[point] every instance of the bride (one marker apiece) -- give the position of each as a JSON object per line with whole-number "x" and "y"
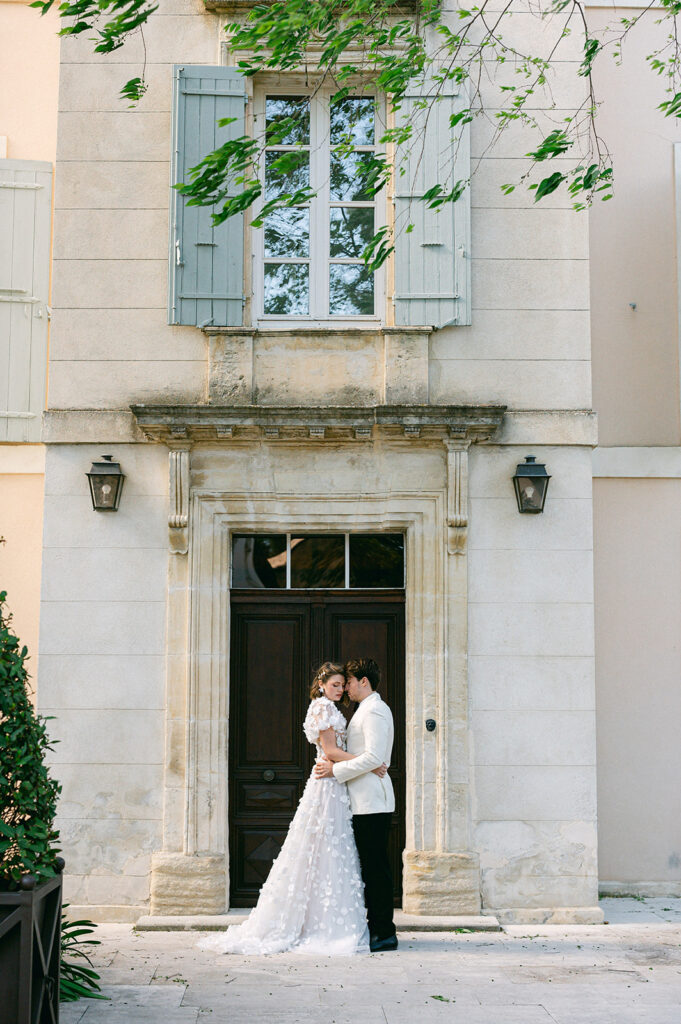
{"x": 313, "y": 899}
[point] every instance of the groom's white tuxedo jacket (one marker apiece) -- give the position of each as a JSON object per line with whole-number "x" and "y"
{"x": 370, "y": 738}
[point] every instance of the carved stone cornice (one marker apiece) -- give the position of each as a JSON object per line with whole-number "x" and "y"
{"x": 417, "y": 424}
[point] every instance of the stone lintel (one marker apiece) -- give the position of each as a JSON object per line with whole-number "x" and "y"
{"x": 420, "y": 423}
{"x": 183, "y": 884}
{"x": 437, "y": 883}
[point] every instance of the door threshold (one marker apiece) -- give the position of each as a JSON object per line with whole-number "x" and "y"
{"x": 403, "y": 922}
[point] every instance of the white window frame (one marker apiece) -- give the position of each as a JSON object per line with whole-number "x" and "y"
{"x": 320, "y": 150}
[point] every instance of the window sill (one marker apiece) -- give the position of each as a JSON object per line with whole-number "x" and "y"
{"x": 308, "y": 329}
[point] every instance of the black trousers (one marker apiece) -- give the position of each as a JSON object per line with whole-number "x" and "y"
{"x": 371, "y": 836}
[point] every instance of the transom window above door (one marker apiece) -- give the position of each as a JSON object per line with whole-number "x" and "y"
{"x": 317, "y": 561}
{"x": 308, "y": 257}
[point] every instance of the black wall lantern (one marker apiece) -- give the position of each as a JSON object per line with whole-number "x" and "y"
{"x": 106, "y": 483}
{"x": 531, "y": 482}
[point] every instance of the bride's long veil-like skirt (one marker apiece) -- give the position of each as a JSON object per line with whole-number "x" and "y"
{"x": 313, "y": 899}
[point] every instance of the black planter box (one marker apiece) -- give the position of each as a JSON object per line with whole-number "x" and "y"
{"x": 30, "y": 946}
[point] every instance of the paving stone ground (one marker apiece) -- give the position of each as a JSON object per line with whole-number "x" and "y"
{"x": 625, "y": 972}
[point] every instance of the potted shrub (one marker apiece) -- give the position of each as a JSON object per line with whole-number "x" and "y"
{"x": 30, "y": 870}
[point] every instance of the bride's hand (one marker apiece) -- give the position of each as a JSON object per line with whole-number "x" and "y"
{"x": 380, "y": 771}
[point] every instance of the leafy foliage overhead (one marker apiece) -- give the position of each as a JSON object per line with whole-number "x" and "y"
{"x": 385, "y": 45}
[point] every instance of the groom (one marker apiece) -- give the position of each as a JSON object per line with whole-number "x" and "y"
{"x": 370, "y": 737}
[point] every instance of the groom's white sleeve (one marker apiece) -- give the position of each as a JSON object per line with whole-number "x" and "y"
{"x": 375, "y": 731}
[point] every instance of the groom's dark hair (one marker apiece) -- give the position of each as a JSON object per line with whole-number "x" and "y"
{"x": 364, "y": 667}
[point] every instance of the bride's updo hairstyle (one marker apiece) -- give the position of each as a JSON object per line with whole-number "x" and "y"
{"x": 324, "y": 672}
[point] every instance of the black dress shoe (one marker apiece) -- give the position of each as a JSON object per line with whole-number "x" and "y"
{"x": 377, "y": 945}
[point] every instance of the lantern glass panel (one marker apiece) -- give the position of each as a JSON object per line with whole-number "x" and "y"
{"x": 105, "y": 491}
{"x": 531, "y": 491}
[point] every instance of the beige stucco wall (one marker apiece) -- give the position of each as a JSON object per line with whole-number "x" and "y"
{"x": 637, "y": 555}
{"x": 29, "y": 76}
{"x": 635, "y": 353}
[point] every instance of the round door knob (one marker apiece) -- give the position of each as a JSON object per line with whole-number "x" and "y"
{"x": 268, "y": 775}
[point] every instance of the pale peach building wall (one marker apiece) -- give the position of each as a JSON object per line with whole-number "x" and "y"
{"x": 635, "y": 352}
{"x": 637, "y": 474}
{"x": 21, "y": 526}
{"x": 638, "y": 697}
{"x": 29, "y": 79}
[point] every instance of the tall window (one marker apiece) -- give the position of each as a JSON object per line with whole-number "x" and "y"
{"x": 308, "y": 261}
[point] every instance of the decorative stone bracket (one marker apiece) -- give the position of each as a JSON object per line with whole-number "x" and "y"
{"x": 457, "y": 496}
{"x": 178, "y": 493}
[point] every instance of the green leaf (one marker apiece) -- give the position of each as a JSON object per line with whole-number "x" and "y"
{"x": 548, "y": 185}
{"x": 555, "y": 144}
{"x": 134, "y": 90}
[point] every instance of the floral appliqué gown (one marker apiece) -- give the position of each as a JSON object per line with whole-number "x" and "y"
{"x": 313, "y": 899}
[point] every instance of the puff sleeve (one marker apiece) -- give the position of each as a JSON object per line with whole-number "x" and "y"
{"x": 320, "y": 716}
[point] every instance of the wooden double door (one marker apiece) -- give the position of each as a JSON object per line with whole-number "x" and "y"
{"x": 277, "y": 642}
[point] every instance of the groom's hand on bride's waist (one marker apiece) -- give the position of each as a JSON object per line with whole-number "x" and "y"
{"x": 323, "y": 769}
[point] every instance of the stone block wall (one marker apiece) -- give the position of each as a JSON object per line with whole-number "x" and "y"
{"x": 531, "y": 684}
{"x": 102, "y": 672}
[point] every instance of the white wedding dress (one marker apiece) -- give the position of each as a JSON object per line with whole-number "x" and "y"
{"x": 313, "y": 899}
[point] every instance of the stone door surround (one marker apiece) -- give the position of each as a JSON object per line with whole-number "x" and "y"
{"x": 419, "y": 455}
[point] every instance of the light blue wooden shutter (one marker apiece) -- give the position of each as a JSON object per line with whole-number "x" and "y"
{"x": 432, "y": 262}
{"x": 25, "y": 230}
{"x": 206, "y": 263}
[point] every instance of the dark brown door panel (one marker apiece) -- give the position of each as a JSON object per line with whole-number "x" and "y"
{"x": 277, "y": 641}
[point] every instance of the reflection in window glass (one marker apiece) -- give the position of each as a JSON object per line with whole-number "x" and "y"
{"x": 287, "y": 233}
{"x": 259, "y": 561}
{"x": 352, "y": 121}
{"x": 350, "y": 230}
{"x": 376, "y": 560}
{"x": 287, "y": 288}
{"x": 317, "y": 561}
{"x": 288, "y": 120}
{"x": 351, "y": 289}
{"x": 350, "y": 176}
{"x": 286, "y": 173}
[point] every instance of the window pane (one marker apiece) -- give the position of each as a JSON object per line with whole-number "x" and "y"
{"x": 287, "y": 120}
{"x": 376, "y": 560}
{"x": 286, "y": 173}
{"x": 352, "y": 121}
{"x": 349, "y": 174}
{"x": 351, "y": 290}
{"x": 287, "y": 288}
{"x": 287, "y": 232}
{"x": 351, "y": 228}
{"x": 259, "y": 561}
{"x": 318, "y": 561}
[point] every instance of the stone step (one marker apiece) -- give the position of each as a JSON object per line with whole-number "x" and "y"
{"x": 403, "y": 923}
